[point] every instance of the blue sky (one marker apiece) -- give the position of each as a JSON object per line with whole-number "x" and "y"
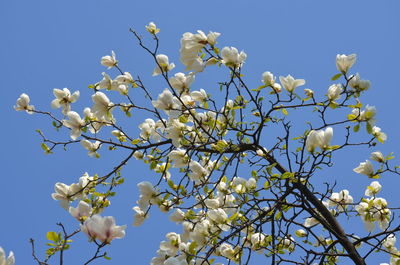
{"x": 55, "y": 44}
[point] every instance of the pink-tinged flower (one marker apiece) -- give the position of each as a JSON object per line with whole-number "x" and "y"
{"x": 102, "y": 228}
{"x": 81, "y": 212}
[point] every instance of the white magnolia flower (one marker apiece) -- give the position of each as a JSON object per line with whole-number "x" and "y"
{"x": 309, "y": 93}
{"x": 102, "y": 107}
{"x": 192, "y": 61}
{"x": 64, "y": 99}
{"x": 119, "y": 135}
{"x": 319, "y": 139}
{"x": 10, "y": 260}
{"x": 182, "y": 82}
{"x": 345, "y": 62}
{"x": 226, "y": 250}
{"x": 374, "y": 210}
{"x": 23, "y": 104}
{"x": 140, "y": 216}
{"x": 125, "y": 79}
{"x": 102, "y": 228}
{"x": 149, "y": 130}
{"x": 365, "y": 168}
{"x": 199, "y": 96}
{"x": 340, "y": 200}
{"x": 181, "y": 260}
{"x": 171, "y": 246}
{"x": 81, "y": 212}
{"x": 378, "y": 134}
{"x": 75, "y": 123}
{"x": 373, "y": 189}
{"x": 65, "y": 193}
{"x": 389, "y": 242}
{"x": 301, "y": 233}
{"x": 289, "y": 83}
{"x": 377, "y": 156}
{"x": 178, "y": 216}
{"x": 166, "y": 101}
{"x": 232, "y": 58}
{"x": 107, "y": 83}
{"x": 334, "y": 92}
{"x": 358, "y": 84}
{"x": 163, "y": 64}
{"x": 175, "y": 131}
{"x": 268, "y": 79}
{"x": 148, "y": 195}
{"x": 109, "y": 60}
{"x": 90, "y": 146}
{"x": 310, "y": 221}
{"x": 152, "y": 28}
{"x": 198, "y": 171}
{"x": 180, "y": 158}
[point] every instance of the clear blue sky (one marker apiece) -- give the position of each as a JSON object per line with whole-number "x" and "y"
{"x": 55, "y": 44}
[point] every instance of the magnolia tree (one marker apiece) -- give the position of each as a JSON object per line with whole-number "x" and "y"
{"x": 231, "y": 170}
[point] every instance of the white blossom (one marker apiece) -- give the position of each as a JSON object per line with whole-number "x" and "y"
{"x": 10, "y": 260}
{"x": 152, "y": 28}
{"x": 373, "y": 189}
{"x": 319, "y": 139}
{"x": 198, "y": 171}
{"x": 289, "y": 83}
{"x": 178, "y": 216}
{"x": 199, "y": 96}
{"x": 182, "y": 82}
{"x": 102, "y": 228}
{"x": 163, "y": 64}
{"x": 232, "y": 58}
{"x": 139, "y": 216}
{"x": 81, "y": 212}
{"x": 102, "y": 107}
{"x": 109, "y": 60}
{"x": 180, "y": 158}
{"x": 66, "y": 193}
{"x": 334, "y": 92}
{"x": 358, "y": 84}
{"x": 365, "y": 168}
{"x": 75, "y": 123}
{"x": 166, "y": 101}
{"x": 345, "y": 62}
{"x": 23, "y": 104}
{"x": 92, "y": 147}
{"x": 148, "y": 194}
{"x": 377, "y": 156}
{"x": 340, "y": 200}
{"x": 378, "y": 134}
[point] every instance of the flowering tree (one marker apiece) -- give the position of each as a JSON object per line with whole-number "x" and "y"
{"x": 233, "y": 169}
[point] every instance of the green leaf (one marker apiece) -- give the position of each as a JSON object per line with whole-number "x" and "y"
{"x": 192, "y": 247}
{"x": 285, "y": 112}
{"x": 369, "y": 128}
{"x": 135, "y": 141}
{"x": 267, "y": 185}
{"x": 53, "y": 236}
{"x": 336, "y": 77}
{"x": 356, "y": 128}
{"x": 107, "y": 258}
